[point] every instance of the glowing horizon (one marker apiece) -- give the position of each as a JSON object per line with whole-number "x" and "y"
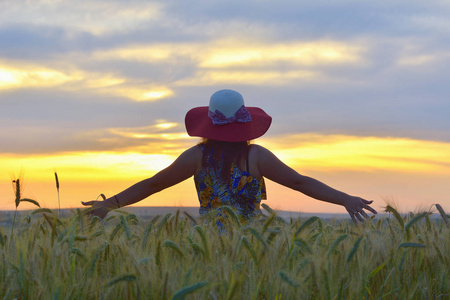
{"x": 338, "y": 159}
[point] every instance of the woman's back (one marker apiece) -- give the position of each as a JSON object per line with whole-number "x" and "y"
{"x": 226, "y": 178}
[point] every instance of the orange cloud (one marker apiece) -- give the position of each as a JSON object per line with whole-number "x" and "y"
{"x": 367, "y": 154}
{"x": 368, "y": 166}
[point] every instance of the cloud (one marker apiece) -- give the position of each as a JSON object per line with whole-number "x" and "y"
{"x": 89, "y": 166}
{"x": 315, "y": 152}
{"x": 358, "y": 68}
{"x": 92, "y": 136}
{"x": 39, "y": 77}
{"x": 230, "y": 61}
{"x": 97, "y": 17}
{"x": 304, "y": 152}
{"x": 12, "y": 78}
{"x": 231, "y": 52}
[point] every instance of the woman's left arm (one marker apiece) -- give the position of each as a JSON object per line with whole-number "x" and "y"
{"x": 274, "y": 169}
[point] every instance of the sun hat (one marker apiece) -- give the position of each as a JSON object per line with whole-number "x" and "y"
{"x": 227, "y": 119}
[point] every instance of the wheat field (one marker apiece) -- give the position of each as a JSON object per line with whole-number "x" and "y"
{"x": 177, "y": 256}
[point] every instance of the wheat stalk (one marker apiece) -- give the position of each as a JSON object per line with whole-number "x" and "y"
{"x": 57, "y": 189}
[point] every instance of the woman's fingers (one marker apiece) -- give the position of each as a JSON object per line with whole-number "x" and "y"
{"x": 371, "y": 209}
{"x": 88, "y": 203}
{"x": 96, "y": 208}
{"x": 356, "y": 211}
{"x": 364, "y": 214}
{"x": 360, "y": 218}
{"x": 353, "y": 218}
{"x": 368, "y": 207}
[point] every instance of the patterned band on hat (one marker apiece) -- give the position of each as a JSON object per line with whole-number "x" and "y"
{"x": 241, "y": 116}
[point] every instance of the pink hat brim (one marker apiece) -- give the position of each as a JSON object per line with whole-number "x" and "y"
{"x": 199, "y": 124}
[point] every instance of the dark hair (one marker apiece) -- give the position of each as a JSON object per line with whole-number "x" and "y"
{"x": 225, "y": 152}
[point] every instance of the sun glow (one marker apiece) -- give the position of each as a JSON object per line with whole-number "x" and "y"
{"x": 105, "y": 81}
{"x": 219, "y": 54}
{"x": 350, "y": 163}
{"x": 141, "y": 94}
{"x": 365, "y": 154}
{"x": 166, "y": 125}
{"x": 296, "y": 53}
{"x": 156, "y": 94}
{"x": 15, "y": 78}
{"x": 151, "y": 132}
{"x": 207, "y": 77}
{"x": 88, "y": 166}
{"x": 101, "y": 83}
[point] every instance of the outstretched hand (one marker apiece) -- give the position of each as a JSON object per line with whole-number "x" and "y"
{"x": 97, "y": 208}
{"x": 355, "y": 206}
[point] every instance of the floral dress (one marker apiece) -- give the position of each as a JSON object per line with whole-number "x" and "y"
{"x": 244, "y": 192}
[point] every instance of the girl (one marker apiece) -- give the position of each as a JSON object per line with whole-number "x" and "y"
{"x": 227, "y": 169}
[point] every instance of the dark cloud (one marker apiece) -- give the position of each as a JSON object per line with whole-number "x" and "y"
{"x": 89, "y": 110}
{"x": 30, "y": 42}
{"x": 317, "y": 19}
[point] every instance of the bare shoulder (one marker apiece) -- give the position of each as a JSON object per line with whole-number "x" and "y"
{"x": 258, "y": 151}
{"x": 194, "y": 151}
{"x": 256, "y": 155}
{"x": 193, "y": 157}
{"x": 273, "y": 168}
{"x": 193, "y": 154}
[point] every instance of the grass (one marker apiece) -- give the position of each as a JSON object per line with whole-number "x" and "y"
{"x": 176, "y": 256}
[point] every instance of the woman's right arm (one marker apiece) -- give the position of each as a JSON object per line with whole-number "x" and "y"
{"x": 274, "y": 169}
{"x": 185, "y": 166}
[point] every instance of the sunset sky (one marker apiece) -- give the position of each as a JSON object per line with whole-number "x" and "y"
{"x": 97, "y": 91}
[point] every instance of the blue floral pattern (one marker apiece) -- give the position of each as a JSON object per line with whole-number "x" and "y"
{"x": 244, "y": 191}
